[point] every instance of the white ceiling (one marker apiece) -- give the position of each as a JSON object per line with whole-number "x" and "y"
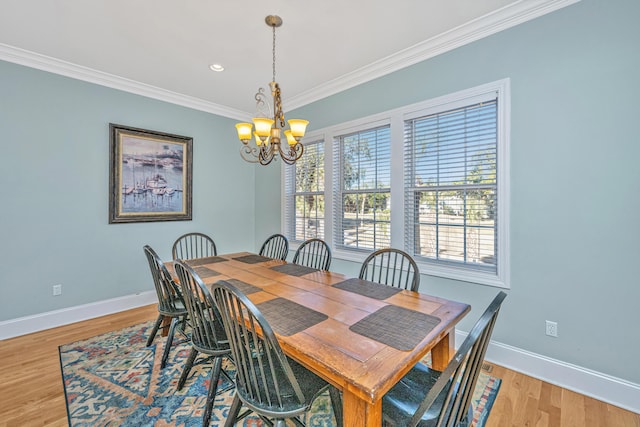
{"x": 163, "y": 48}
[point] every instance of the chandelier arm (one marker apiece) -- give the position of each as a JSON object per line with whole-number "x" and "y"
{"x": 292, "y": 154}
{"x": 249, "y": 154}
{"x": 266, "y": 154}
{"x": 263, "y": 107}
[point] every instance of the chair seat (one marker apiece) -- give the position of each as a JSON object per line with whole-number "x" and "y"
{"x": 178, "y": 310}
{"x": 403, "y": 400}
{"x": 426, "y": 397}
{"x": 206, "y": 344}
{"x": 312, "y": 386}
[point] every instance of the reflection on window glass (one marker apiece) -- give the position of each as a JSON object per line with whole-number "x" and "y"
{"x": 454, "y": 185}
{"x": 309, "y": 194}
{"x": 365, "y": 187}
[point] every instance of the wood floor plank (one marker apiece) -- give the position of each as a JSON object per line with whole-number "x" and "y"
{"x": 573, "y": 410}
{"x": 31, "y": 392}
{"x": 554, "y": 406}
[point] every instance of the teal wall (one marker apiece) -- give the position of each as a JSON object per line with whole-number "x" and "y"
{"x": 575, "y": 179}
{"x": 54, "y": 183}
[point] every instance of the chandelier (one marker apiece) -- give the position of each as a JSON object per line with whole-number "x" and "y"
{"x": 268, "y": 129}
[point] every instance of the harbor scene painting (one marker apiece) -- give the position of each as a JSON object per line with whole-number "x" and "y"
{"x": 150, "y": 176}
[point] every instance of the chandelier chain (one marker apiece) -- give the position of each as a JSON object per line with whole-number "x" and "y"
{"x": 274, "y": 53}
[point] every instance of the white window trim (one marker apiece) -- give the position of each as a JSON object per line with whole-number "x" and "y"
{"x": 328, "y": 221}
{"x": 351, "y": 128}
{"x": 396, "y": 119}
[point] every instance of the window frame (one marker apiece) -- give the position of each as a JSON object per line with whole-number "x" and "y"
{"x": 396, "y": 119}
{"x": 339, "y": 191}
{"x": 288, "y": 199}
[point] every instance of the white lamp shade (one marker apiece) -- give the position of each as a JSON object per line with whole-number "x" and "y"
{"x": 244, "y": 131}
{"x": 263, "y": 126}
{"x": 290, "y": 138}
{"x": 258, "y": 140}
{"x": 298, "y": 128}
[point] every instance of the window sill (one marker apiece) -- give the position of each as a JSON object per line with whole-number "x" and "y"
{"x": 480, "y": 278}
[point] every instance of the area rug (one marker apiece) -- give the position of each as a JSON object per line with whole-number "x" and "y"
{"x": 115, "y": 380}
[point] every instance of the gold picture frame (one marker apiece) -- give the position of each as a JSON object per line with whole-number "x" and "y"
{"x": 150, "y": 175}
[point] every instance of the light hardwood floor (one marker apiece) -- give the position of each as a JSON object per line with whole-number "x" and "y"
{"x": 31, "y": 392}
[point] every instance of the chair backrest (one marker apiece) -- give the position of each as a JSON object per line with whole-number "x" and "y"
{"x": 207, "y": 330}
{"x": 169, "y": 295}
{"x": 461, "y": 374}
{"x": 264, "y": 378}
{"x": 193, "y": 245}
{"x": 276, "y": 246}
{"x": 314, "y": 253}
{"x": 391, "y": 267}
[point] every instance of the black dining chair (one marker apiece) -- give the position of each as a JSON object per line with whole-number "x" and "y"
{"x": 193, "y": 245}
{"x": 425, "y": 397}
{"x": 207, "y": 332}
{"x": 276, "y": 246}
{"x": 268, "y": 383}
{"x": 391, "y": 267}
{"x": 313, "y": 253}
{"x": 170, "y": 301}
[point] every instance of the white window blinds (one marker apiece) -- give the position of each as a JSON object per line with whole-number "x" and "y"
{"x": 362, "y": 189}
{"x": 304, "y": 192}
{"x": 451, "y": 186}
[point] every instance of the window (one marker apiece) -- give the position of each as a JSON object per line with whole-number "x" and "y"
{"x": 451, "y": 186}
{"x": 362, "y": 203}
{"x": 304, "y": 190}
{"x": 430, "y": 178}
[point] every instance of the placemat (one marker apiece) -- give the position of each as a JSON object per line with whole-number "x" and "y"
{"x": 367, "y": 288}
{"x": 287, "y": 317}
{"x": 294, "y": 269}
{"x": 207, "y": 260}
{"x": 205, "y": 272}
{"x": 245, "y": 288}
{"x": 396, "y": 327}
{"x": 252, "y": 259}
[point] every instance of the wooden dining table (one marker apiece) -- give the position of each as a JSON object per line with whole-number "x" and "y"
{"x": 360, "y": 336}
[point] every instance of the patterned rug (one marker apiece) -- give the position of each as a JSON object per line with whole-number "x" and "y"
{"x": 114, "y": 380}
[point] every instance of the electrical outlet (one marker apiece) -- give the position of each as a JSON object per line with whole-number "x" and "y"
{"x": 57, "y": 290}
{"x": 552, "y": 328}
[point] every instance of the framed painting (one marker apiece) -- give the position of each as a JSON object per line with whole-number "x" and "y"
{"x": 150, "y": 175}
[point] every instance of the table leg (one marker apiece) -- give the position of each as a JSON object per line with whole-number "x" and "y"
{"x": 442, "y": 353}
{"x": 359, "y": 413}
{"x": 164, "y": 327}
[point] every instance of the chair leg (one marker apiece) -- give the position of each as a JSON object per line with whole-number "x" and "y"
{"x": 167, "y": 345}
{"x": 154, "y": 331}
{"x": 183, "y": 323}
{"x": 213, "y": 387}
{"x": 233, "y": 412}
{"x": 187, "y": 367}
{"x": 336, "y": 404}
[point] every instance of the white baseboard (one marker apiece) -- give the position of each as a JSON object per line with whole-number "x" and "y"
{"x": 51, "y": 319}
{"x": 607, "y": 388}
{"x": 616, "y": 391}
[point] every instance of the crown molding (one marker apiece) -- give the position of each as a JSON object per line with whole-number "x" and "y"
{"x": 501, "y": 19}
{"x": 68, "y": 69}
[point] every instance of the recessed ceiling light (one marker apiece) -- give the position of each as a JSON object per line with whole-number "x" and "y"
{"x": 216, "y": 67}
